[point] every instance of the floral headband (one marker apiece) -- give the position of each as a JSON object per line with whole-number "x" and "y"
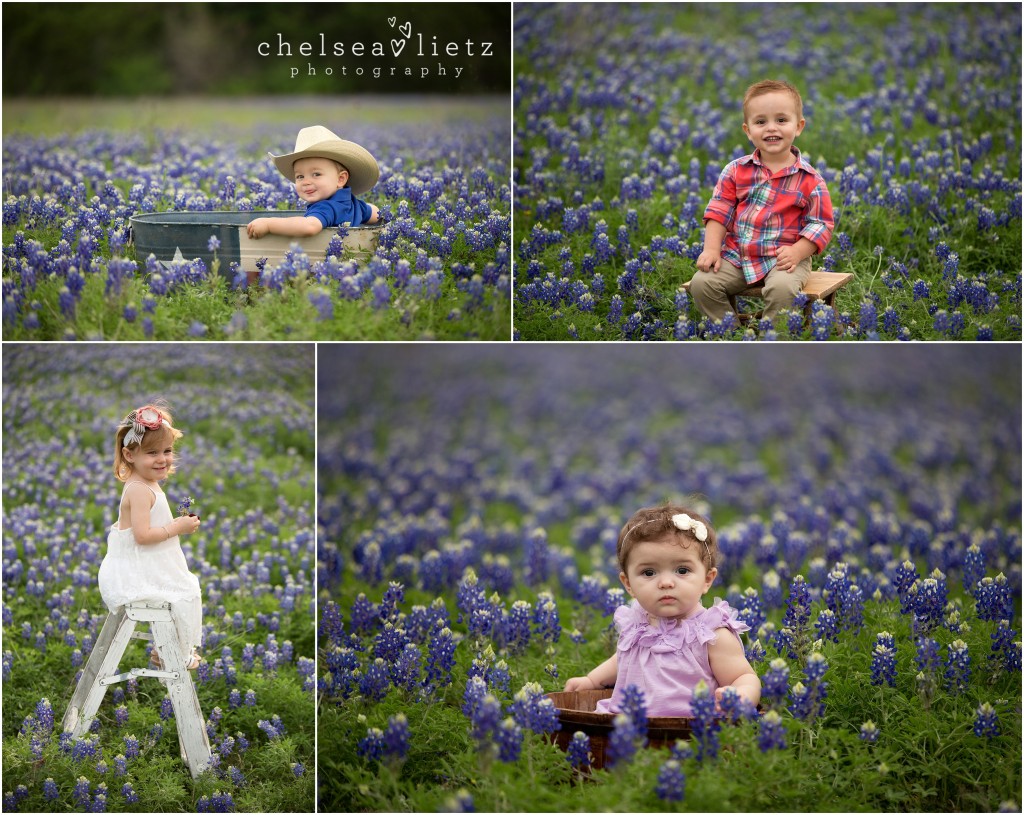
{"x": 141, "y": 420}
{"x": 684, "y": 523}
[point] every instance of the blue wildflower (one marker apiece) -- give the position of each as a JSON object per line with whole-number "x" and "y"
{"x": 986, "y": 722}
{"x": 958, "y": 667}
{"x": 772, "y": 732}
{"x": 622, "y": 743}
{"x": 775, "y": 682}
{"x": 671, "y": 781}
{"x": 509, "y": 738}
{"x": 869, "y": 732}
{"x": 578, "y": 752}
{"x": 704, "y": 724}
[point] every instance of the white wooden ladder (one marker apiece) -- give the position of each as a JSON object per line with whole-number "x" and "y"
{"x": 102, "y": 670}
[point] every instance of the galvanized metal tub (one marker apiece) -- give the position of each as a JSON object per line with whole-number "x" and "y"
{"x": 165, "y": 233}
{"x": 576, "y": 711}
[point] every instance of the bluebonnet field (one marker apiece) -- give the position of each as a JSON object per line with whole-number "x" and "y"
{"x": 247, "y": 462}
{"x": 442, "y": 268}
{"x": 626, "y": 113}
{"x": 868, "y": 511}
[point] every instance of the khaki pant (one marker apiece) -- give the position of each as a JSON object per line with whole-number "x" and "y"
{"x": 711, "y": 290}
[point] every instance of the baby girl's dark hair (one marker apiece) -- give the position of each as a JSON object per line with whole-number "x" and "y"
{"x": 655, "y": 523}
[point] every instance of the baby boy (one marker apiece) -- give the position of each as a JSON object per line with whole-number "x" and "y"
{"x": 328, "y": 173}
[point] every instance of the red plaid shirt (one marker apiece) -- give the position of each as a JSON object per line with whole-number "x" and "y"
{"x": 763, "y": 212}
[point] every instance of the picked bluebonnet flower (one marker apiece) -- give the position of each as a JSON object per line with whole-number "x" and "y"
{"x": 671, "y": 784}
{"x": 986, "y": 722}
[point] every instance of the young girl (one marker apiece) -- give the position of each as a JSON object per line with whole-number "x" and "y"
{"x": 668, "y": 641}
{"x": 144, "y": 560}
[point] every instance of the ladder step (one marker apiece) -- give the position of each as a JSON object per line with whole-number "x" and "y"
{"x": 136, "y": 672}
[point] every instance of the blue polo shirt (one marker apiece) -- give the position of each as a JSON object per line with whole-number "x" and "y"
{"x": 342, "y": 207}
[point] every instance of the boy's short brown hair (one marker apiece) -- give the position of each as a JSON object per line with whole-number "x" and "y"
{"x": 655, "y": 524}
{"x": 773, "y": 86}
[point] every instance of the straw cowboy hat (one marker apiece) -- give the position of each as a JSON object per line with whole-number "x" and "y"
{"x": 318, "y": 141}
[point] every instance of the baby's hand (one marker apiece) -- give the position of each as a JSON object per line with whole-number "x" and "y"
{"x": 709, "y": 261}
{"x": 257, "y": 228}
{"x": 579, "y": 683}
{"x": 188, "y": 524}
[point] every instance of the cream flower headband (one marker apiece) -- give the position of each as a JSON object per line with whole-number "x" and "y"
{"x": 684, "y": 523}
{"x": 141, "y": 420}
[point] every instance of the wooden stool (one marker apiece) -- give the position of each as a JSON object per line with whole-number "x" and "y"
{"x": 819, "y": 286}
{"x": 101, "y": 671}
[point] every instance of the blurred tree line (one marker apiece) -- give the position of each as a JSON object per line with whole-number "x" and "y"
{"x": 132, "y": 49}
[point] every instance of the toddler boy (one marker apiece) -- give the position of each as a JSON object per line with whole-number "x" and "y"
{"x": 328, "y": 173}
{"x": 769, "y": 213}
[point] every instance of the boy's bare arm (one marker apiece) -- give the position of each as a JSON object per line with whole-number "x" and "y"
{"x": 710, "y": 259}
{"x": 300, "y": 226}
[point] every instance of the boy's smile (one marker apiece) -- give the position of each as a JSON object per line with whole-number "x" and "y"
{"x": 317, "y": 179}
{"x": 772, "y": 124}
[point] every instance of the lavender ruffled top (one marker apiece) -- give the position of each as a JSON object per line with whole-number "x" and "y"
{"x": 668, "y": 658}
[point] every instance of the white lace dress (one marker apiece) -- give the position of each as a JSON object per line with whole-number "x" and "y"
{"x": 131, "y": 572}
